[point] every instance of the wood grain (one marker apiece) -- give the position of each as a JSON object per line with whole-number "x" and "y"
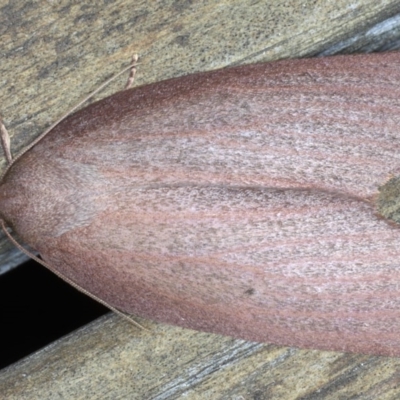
{"x": 109, "y": 358}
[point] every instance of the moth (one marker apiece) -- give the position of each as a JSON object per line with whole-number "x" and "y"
{"x": 257, "y": 201}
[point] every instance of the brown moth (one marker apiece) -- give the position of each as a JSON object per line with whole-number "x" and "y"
{"x": 248, "y": 201}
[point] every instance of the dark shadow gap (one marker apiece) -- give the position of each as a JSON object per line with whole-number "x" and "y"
{"x": 36, "y": 308}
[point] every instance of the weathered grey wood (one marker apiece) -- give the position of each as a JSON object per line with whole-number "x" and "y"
{"x": 52, "y": 54}
{"x": 10, "y": 257}
{"x": 383, "y": 36}
{"x": 109, "y": 359}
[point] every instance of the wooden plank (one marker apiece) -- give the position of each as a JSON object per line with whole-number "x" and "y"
{"x": 110, "y": 359}
{"x": 53, "y": 53}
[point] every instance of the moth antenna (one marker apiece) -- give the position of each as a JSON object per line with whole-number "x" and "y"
{"x": 70, "y": 281}
{"x": 71, "y": 110}
{"x": 5, "y": 142}
{"x": 132, "y": 72}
